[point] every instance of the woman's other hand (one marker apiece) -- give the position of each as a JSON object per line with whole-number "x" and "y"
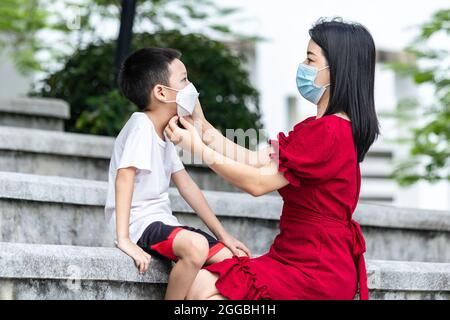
{"x": 197, "y": 114}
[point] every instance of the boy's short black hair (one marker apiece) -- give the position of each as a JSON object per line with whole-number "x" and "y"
{"x": 143, "y": 70}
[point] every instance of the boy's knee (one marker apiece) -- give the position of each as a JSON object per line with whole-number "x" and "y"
{"x": 195, "y": 249}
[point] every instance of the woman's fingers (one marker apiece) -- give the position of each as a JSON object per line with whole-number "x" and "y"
{"x": 168, "y": 132}
{"x": 189, "y": 119}
{"x": 186, "y": 123}
{"x": 175, "y": 138}
{"x": 173, "y": 123}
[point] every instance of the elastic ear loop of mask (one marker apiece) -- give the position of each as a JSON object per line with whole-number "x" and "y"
{"x": 325, "y": 85}
{"x": 170, "y": 89}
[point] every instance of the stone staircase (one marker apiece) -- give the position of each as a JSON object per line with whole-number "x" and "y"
{"x": 54, "y": 243}
{"x": 34, "y": 148}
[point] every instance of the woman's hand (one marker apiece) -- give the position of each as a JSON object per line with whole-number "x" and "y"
{"x": 236, "y": 247}
{"x": 197, "y": 118}
{"x": 188, "y": 138}
{"x": 197, "y": 114}
{"x": 141, "y": 258}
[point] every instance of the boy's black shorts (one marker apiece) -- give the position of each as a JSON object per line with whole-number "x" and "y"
{"x": 158, "y": 237}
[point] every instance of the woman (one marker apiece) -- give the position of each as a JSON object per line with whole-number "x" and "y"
{"x": 318, "y": 253}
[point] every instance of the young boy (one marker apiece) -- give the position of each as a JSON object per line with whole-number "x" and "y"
{"x": 143, "y": 163}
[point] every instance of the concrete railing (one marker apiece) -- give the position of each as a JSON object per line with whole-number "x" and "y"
{"x": 56, "y": 210}
{"x": 39, "y": 113}
{"x": 32, "y": 271}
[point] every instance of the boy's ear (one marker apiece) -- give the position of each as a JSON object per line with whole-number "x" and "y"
{"x": 159, "y": 93}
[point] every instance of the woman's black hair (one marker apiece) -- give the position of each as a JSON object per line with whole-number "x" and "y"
{"x": 350, "y": 52}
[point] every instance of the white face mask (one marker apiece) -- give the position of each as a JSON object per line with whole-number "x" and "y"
{"x": 186, "y": 99}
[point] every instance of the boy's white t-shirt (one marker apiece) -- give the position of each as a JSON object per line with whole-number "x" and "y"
{"x": 139, "y": 145}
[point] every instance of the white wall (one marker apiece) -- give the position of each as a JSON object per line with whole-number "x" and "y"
{"x": 12, "y": 83}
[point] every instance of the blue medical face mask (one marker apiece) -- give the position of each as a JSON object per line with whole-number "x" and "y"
{"x": 306, "y": 77}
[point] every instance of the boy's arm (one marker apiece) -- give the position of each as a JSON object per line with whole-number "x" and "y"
{"x": 192, "y": 194}
{"x": 124, "y": 186}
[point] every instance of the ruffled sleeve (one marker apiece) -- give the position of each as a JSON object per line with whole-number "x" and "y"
{"x": 305, "y": 155}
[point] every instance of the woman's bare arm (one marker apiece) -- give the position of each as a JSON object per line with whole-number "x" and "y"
{"x": 228, "y": 148}
{"x": 256, "y": 181}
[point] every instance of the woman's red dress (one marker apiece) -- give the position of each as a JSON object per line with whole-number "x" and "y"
{"x": 318, "y": 253}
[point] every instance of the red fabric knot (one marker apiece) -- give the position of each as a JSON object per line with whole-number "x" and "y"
{"x": 359, "y": 244}
{"x": 359, "y": 248}
{"x": 261, "y": 289}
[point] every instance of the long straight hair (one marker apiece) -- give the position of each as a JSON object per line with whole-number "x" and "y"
{"x": 350, "y": 51}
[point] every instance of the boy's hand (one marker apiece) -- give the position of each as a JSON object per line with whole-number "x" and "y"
{"x": 141, "y": 258}
{"x": 236, "y": 247}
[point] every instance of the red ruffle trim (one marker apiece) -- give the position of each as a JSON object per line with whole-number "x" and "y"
{"x": 237, "y": 281}
{"x": 282, "y": 156}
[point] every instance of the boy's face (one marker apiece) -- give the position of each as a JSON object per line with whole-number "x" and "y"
{"x": 177, "y": 80}
{"x": 178, "y": 75}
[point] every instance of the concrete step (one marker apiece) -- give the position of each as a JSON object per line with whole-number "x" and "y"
{"x": 87, "y": 157}
{"x": 67, "y": 211}
{"x": 31, "y": 271}
{"x": 39, "y": 113}
{"x": 36, "y": 271}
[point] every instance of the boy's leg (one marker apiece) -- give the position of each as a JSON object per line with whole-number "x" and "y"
{"x": 204, "y": 287}
{"x": 192, "y": 250}
{"x": 223, "y": 254}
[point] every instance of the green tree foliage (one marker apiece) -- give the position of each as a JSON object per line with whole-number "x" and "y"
{"x": 40, "y": 34}
{"x": 19, "y": 23}
{"x": 430, "y": 136}
{"x": 87, "y": 82}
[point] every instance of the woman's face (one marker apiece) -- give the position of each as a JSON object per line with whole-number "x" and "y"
{"x": 315, "y": 58}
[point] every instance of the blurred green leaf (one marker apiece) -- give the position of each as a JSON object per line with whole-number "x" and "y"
{"x": 430, "y": 142}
